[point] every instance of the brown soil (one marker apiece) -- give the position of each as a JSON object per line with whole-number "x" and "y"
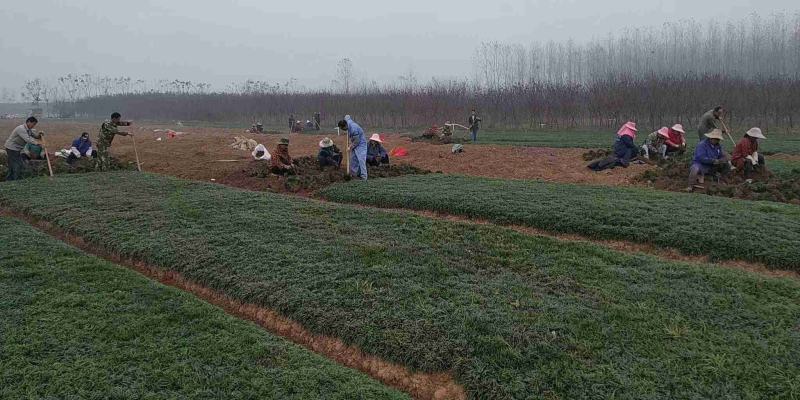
{"x": 436, "y": 386}
{"x": 765, "y": 186}
{"x": 308, "y": 176}
{"x": 203, "y": 154}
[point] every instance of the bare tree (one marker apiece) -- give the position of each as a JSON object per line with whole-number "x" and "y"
{"x": 345, "y": 74}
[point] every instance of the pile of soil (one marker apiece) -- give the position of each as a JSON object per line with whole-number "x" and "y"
{"x": 592, "y": 155}
{"x": 35, "y": 168}
{"x": 308, "y": 177}
{"x": 765, "y": 186}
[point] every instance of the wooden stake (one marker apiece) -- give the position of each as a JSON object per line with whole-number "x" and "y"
{"x": 138, "y": 164}
{"x": 47, "y": 156}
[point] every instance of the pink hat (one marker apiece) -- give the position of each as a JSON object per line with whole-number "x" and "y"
{"x": 376, "y": 138}
{"x": 678, "y": 128}
{"x": 629, "y": 129}
{"x": 664, "y": 132}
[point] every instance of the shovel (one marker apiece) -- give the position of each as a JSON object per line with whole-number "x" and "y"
{"x": 138, "y": 164}
{"x": 47, "y": 156}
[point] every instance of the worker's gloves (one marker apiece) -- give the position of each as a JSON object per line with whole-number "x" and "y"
{"x": 75, "y": 152}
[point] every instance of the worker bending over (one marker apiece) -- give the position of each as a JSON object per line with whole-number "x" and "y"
{"x": 358, "y": 147}
{"x": 109, "y": 130}
{"x": 624, "y": 149}
{"x": 710, "y": 121}
{"x": 20, "y": 136}
{"x": 376, "y": 154}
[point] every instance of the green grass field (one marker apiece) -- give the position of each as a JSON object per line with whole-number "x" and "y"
{"x": 694, "y": 224}
{"x": 780, "y": 143}
{"x": 784, "y": 168}
{"x": 514, "y": 316}
{"x": 76, "y": 327}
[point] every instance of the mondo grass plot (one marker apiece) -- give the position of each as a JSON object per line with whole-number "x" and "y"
{"x": 694, "y": 224}
{"x": 511, "y": 315}
{"x": 74, "y": 326}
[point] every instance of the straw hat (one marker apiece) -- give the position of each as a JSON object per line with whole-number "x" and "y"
{"x": 678, "y": 128}
{"x": 756, "y": 133}
{"x": 715, "y": 134}
{"x": 631, "y": 125}
{"x": 376, "y": 138}
{"x": 327, "y": 142}
{"x": 664, "y": 132}
{"x": 283, "y": 141}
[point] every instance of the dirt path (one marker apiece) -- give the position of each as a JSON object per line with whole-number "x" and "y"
{"x": 197, "y": 154}
{"x": 435, "y": 386}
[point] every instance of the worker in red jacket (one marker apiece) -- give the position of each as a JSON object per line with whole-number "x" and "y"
{"x": 745, "y": 155}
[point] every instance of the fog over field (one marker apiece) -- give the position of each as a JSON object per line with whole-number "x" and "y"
{"x": 230, "y": 41}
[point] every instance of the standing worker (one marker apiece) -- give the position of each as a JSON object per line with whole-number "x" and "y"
{"x": 108, "y": 130}
{"x": 474, "y": 123}
{"x": 20, "y": 136}
{"x": 317, "y": 120}
{"x": 358, "y": 147}
{"x": 710, "y": 121}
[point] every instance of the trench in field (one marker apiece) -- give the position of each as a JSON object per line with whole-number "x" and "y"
{"x": 417, "y": 384}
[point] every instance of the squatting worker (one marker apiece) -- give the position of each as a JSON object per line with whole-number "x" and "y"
{"x": 282, "y": 163}
{"x": 358, "y": 147}
{"x": 710, "y": 121}
{"x": 20, "y": 136}
{"x": 329, "y": 155}
{"x": 108, "y": 130}
{"x": 745, "y": 155}
{"x": 709, "y": 158}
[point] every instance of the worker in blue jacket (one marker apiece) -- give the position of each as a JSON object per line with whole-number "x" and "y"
{"x": 708, "y": 158}
{"x": 358, "y": 147}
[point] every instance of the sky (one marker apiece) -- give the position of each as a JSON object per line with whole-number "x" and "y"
{"x": 225, "y": 41}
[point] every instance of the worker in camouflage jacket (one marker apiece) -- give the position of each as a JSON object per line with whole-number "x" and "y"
{"x": 108, "y": 131}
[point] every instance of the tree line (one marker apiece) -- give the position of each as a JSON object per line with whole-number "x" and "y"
{"x": 655, "y": 76}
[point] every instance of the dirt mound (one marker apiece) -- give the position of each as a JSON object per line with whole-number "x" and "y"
{"x": 309, "y": 177}
{"x": 592, "y": 155}
{"x": 672, "y": 175}
{"x": 39, "y": 167}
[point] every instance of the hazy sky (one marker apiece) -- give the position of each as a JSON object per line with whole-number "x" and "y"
{"x": 223, "y": 41}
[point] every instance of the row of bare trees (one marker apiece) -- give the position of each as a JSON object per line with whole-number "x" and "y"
{"x": 751, "y": 48}
{"x": 655, "y": 76}
{"x": 653, "y": 102}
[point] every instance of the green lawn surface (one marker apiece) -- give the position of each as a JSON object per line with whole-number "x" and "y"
{"x": 514, "y": 316}
{"x": 695, "y": 224}
{"x": 784, "y": 168}
{"x": 73, "y": 326}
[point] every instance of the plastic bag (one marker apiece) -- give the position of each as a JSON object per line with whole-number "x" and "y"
{"x": 264, "y": 154}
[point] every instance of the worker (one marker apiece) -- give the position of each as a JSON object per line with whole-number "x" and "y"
{"x": 259, "y": 128}
{"x": 329, "y": 154}
{"x": 282, "y": 163}
{"x": 708, "y": 158}
{"x": 656, "y": 144}
{"x": 710, "y": 121}
{"x": 108, "y": 130}
{"x": 474, "y": 123}
{"x": 376, "y": 154}
{"x": 358, "y": 147}
{"x": 317, "y": 120}
{"x": 676, "y": 142}
{"x": 745, "y": 155}
{"x": 81, "y": 147}
{"x": 624, "y": 149}
{"x": 19, "y": 137}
